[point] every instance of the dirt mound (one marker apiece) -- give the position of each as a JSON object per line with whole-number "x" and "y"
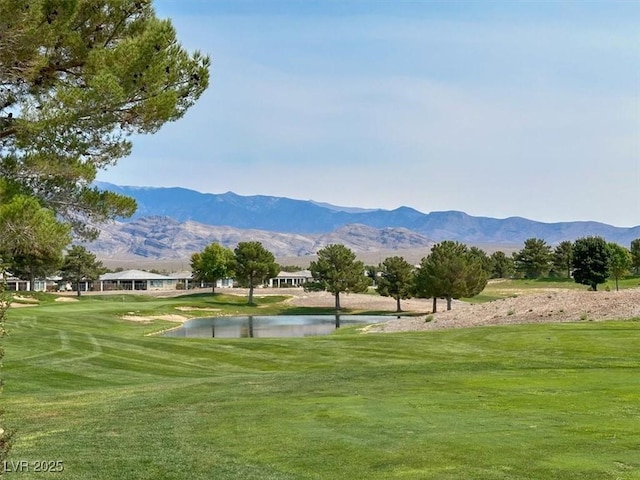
{"x": 552, "y": 306}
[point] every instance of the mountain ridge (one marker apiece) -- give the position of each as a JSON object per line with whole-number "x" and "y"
{"x": 284, "y": 215}
{"x": 157, "y": 237}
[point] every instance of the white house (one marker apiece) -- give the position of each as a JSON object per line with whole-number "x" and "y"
{"x": 16, "y": 284}
{"x": 136, "y": 280}
{"x": 291, "y": 279}
{"x": 185, "y": 281}
{"x": 39, "y": 284}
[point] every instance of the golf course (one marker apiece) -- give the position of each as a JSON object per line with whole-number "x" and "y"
{"x": 101, "y": 397}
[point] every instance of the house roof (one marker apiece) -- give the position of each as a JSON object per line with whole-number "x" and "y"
{"x": 181, "y": 275}
{"x": 299, "y": 274}
{"x": 134, "y": 275}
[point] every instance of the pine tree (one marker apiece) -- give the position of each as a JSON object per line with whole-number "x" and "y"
{"x": 80, "y": 265}
{"x": 563, "y": 258}
{"x": 253, "y": 265}
{"x": 534, "y": 260}
{"x": 501, "y": 265}
{"x": 337, "y": 271}
{"x": 396, "y": 279}
{"x": 78, "y": 78}
{"x": 32, "y": 239}
{"x": 451, "y": 272}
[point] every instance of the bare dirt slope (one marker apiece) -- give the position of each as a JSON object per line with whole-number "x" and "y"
{"x": 554, "y": 305}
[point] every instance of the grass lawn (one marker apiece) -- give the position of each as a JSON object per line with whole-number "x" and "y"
{"x": 516, "y": 402}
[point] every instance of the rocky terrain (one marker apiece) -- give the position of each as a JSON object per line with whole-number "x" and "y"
{"x": 173, "y": 223}
{"x": 285, "y": 215}
{"x": 165, "y": 238}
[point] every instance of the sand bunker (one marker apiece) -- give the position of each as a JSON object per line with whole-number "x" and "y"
{"x": 200, "y": 309}
{"x": 65, "y": 299}
{"x": 147, "y": 319}
{"x": 20, "y": 298}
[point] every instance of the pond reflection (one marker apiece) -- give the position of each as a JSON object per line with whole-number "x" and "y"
{"x": 269, "y": 325}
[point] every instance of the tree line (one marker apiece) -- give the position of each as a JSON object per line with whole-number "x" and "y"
{"x": 250, "y": 264}
{"x": 589, "y": 260}
{"x": 452, "y": 270}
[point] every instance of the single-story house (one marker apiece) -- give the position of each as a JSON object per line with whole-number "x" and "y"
{"x": 291, "y": 279}
{"x": 185, "y": 281}
{"x": 16, "y": 284}
{"x": 136, "y": 280}
{"x": 39, "y": 285}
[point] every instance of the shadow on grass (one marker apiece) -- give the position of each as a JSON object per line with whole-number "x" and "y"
{"x": 222, "y": 299}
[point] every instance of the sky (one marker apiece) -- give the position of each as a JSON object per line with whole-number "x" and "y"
{"x": 495, "y": 108}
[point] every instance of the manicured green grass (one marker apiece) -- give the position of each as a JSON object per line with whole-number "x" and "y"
{"x": 515, "y": 402}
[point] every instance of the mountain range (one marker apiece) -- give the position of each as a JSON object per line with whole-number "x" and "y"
{"x": 157, "y": 237}
{"x": 175, "y": 222}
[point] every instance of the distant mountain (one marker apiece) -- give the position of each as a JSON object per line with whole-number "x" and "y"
{"x": 284, "y": 215}
{"x": 159, "y": 237}
{"x": 343, "y": 209}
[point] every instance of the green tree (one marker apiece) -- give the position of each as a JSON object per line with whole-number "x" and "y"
{"x": 534, "y": 260}
{"x": 372, "y": 272}
{"x": 78, "y": 79}
{"x": 451, "y": 272}
{"x": 253, "y": 265}
{"x": 563, "y": 258}
{"x": 635, "y": 255}
{"x": 31, "y": 238}
{"x": 80, "y": 265}
{"x": 396, "y": 279}
{"x": 591, "y": 261}
{"x": 620, "y": 259}
{"x": 424, "y": 285}
{"x": 501, "y": 265}
{"x": 485, "y": 259}
{"x": 214, "y": 263}
{"x": 290, "y": 268}
{"x": 337, "y": 271}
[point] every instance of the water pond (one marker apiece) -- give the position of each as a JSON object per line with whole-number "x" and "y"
{"x": 269, "y": 325}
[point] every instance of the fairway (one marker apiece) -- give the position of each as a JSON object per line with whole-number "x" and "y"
{"x": 83, "y": 387}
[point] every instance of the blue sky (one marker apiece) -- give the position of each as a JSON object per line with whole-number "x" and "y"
{"x": 496, "y": 109}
